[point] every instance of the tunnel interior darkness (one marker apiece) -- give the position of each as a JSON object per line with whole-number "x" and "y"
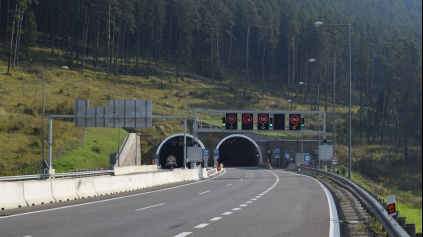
{"x": 175, "y": 147}
{"x": 238, "y": 152}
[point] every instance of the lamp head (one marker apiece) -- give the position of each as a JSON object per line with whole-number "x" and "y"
{"x": 302, "y": 83}
{"x": 312, "y": 60}
{"x": 319, "y": 23}
{"x": 65, "y": 67}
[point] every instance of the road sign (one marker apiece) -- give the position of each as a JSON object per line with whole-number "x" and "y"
{"x": 232, "y": 121}
{"x": 206, "y": 152}
{"x": 325, "y": 152}
{"x": 247, "y": 122}
{"x": 263, "y": 122}
{"x": 291, "y": 160}
{"x": 216, "y": 153}
{"x": 194, "y": 154}
{"x": 287, "y": 156}
{"x": 279, "y": 120}
{"x": 118, "y": 114}
{"x": 295, "y": 122}
{"x": 307, "y": 158}
{"x": 334, "y": 161}
{"x": 277, "y": 153}
{"x": 171, "y": 160}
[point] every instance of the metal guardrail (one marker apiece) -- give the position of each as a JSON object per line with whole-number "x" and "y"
{"x": 368, "y": 200}
{"x": 55, "y": 176}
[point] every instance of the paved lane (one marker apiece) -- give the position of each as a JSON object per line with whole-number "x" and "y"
{"x": 241, "y": 202}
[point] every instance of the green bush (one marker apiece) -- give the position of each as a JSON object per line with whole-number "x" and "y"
{"x": 97, "y": 149}
{"x": 29, "y": 111}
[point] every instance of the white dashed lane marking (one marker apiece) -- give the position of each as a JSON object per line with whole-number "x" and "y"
{"x": 216, "y": 219}
{"x": 151, "y": 207}
{"x": 201, "y": 226}
{"x": 236, "y": 209}
{"x": 204, "y": 192}
{"x": 183, "y": 234}
{"x": 228, "y": 185}
{"x": 249, "y": 202}
{"x": 227, "y": 213}
{"x": 243, "y": 205}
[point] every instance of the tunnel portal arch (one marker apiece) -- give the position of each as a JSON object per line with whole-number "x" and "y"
{"x": 174, "y": 150}
{"x": 260, "y": 158}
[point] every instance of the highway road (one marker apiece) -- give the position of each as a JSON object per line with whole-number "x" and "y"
{"x": 241, "y": 202}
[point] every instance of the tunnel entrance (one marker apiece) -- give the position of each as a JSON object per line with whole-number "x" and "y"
{"x": 239, "y": 151}
{"x": 174, "y": 146}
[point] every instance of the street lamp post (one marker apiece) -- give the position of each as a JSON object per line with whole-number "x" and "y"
{"x": 318, "y": 24}
{"x": 334, "y": 100}
{"x": 44, "y": 76}
{"x": 318, "y": 106}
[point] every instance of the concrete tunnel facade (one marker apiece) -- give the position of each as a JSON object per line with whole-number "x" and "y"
{"x": 239, "y": 151}
{"x": 173, "y": 145}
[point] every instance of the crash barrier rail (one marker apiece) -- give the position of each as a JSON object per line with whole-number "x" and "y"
{"x": 19, "y": 194}
{"x": 84, "y": 173}
{"x": 54, "y": 176}
{"x": 373, "y": 204}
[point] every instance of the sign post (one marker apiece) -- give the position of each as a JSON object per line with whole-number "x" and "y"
{"x": 215, "y": 156}
{"x": 206, "y": 155}
{"x": 334, "y": 161}
{"x": 391, "y": 204}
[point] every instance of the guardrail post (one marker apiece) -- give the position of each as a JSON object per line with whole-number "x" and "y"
{"x": 410, "y": 229}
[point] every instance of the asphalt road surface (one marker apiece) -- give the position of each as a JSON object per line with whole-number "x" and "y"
{"x": 240, "y": 202}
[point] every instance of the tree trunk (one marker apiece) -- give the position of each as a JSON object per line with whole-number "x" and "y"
{"x": 18, "y": 40}
{"x": 170, "y": 35}
{"x": 230, "y": 51}
{"x": 263, "y": 65}
{"x": 7, "y": 22}
{"x": 86, "y": 27}
{"x": 138, "y": 52}
{"x": 108, "y": 43}
{"x": 179, "y": 54}
{"x": 212, "y": 56}
{"x": 11, "y": 41}
{"x": 248, "y": 54}
{"x": 51, "y": 27}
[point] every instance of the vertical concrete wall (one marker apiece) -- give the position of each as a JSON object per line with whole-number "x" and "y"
{"x": 130, "y": 153}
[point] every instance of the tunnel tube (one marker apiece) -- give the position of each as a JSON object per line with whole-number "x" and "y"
{"x": 244, "y": 148}
{"x": 169, "y": 147}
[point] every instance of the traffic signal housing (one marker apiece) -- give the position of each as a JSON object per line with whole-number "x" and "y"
{"x": 231, "y": 121}
{"x": 295, "y": 122}
{"x": 263, "y": 122}
{"x": 279, "y": 122}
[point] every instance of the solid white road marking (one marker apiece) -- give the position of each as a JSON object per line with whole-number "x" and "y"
{"x": 112, "y": 199}
{"x": 227, "y": 213}
{"x": 236, "y": 209}
{"x": 204, "y": 192}
{"x": 151, "y": 207}
{"x": 216, "y": 219}
{"x": 183, "y": 234}
{"x": 201, "y": 226}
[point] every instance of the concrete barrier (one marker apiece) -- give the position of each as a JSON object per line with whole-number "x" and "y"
{"x": 38, "y": 192}
{"x": 64, "y": 190}
{"x": 85, "y": 188}
{"x": 170, "y": 178}
{"x": 160, "y": 178}
{"x": 103, "y": 186}
{"x": 134, "y": 169}
{"x": 12, "y": 195}
{"x": 176, "y": 176}
{"x": 195, "y": 174}
{"x": 204, "y": 174}
{"x": 121, "y": 184}
{"x": 140, "y": 181}
{"x": 149, "y": 180}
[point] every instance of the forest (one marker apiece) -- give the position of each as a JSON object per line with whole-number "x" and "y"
{"x": 268, "y": 39}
